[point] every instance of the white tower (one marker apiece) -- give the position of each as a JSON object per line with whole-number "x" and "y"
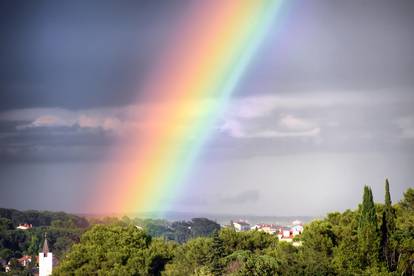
{"x": 45, "y": 260}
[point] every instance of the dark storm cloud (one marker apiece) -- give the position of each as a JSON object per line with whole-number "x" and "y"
{"x": 51, "y": 144}
{"x": 321, "y": 44}
{"x": 79, "y": 54}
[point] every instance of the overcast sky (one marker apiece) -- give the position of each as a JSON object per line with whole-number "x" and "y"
{"x": 325, "y": 107}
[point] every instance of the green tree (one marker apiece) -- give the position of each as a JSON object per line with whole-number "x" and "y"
{"x": 259, "y": 265}
{"x": 368, "y": 240}
{"x": 404, "y": 235}
{"x": 217, "y": 253}
{"x": 191, "y": 258}
{"x": 5, "y": 224}
{"x": 115, "y": 250}
{"x": 248, "y": 240}
{"x": 388, "y": 229}
{"x": 317, "y": 251}
{"x": 346, "y": 258}
{"x": 203, "y": 227}
{"x": 182, "y": 231}
{"x": 33, "y": 248}
{"x": 286, "y": 256}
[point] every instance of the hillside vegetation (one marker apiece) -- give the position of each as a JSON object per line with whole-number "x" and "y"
{"x": 373, "y": 239}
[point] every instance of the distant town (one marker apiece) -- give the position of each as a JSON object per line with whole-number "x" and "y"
{"x": 283, "y": 232}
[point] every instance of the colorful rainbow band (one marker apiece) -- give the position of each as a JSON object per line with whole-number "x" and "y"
{"x": 198, "y": 74}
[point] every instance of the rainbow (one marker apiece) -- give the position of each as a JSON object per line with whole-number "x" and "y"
{"x": 196, "y": 75}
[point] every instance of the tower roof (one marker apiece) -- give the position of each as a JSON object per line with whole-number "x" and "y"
{"x": 45, "y": 245}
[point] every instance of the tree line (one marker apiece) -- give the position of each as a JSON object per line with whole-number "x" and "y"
{"x": 373, "y": 239}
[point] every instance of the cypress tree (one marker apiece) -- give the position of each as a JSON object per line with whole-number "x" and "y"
{"x": 368, "y": 230}
{"x": 387, "y": 229}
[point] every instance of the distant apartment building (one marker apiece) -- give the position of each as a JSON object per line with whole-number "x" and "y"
{"x": 297, "y": 229}
{"x": 289, "y": 232}
{"x": 286, "y": 232}
{"x": 241, "y": 226}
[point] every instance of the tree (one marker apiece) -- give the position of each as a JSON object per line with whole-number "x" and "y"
{"x": 33, "y": 248}
{"x": 115, "y": 250}
{"x": 316, "y": 253}
{"x": 190, "y": 258}
{"x": 217, "y": 253}
{"x": 404, "y": 235}
{"x": 182, "y": 231}
{"x": 248, "y": 240}
{"x": 408, "y": 200}
{"x": 286, "y": 257}
{"x": 387, "y": 229}
{"x": 259, "y": 265}
{"x": 346, "y": 258}
{"x": 5, "y": 224}
{"x": 203, "y": 227}
{"x": 368, "y": 230}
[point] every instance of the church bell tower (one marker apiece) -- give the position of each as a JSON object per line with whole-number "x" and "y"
{"x": 45, "y": 260}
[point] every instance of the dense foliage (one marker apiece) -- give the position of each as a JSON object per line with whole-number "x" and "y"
{"x": 116, "y": 250}
{"x": 374, "y": 239}
{"x": 179, "y": 231}
{"x": 63, "y": 231}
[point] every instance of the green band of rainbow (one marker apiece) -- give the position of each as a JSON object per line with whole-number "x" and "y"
{"x": 197, "y": 75}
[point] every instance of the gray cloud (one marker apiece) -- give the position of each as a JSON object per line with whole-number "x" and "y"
{"x": 80, "y": 54}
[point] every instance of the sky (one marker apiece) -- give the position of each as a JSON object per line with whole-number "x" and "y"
{"x": 325, "y": 106}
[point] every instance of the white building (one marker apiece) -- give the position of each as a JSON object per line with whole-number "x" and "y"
{"x": 241, "y": 226}
{"x": 297, "y": 229}
{"x": 45, "y": 260}
{"x": 24, "y": 226}
{"x": 286, "y": 232}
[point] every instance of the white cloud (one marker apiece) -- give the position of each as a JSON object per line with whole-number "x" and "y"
{"x": 271, "y": 116}
{"x": 264, "y": 105}
{"x": 255, "y": 118}
{"x": 47, "y": 120}
{"x": 280, "y": 134}
{"x": 65, "y": 118}
{"x": 293, "y": 127}
{"x": 295, "y": 123}
{"x": 119, "y": 120}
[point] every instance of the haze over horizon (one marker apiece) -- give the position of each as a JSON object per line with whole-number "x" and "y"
{"x": 324, "y": 107}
